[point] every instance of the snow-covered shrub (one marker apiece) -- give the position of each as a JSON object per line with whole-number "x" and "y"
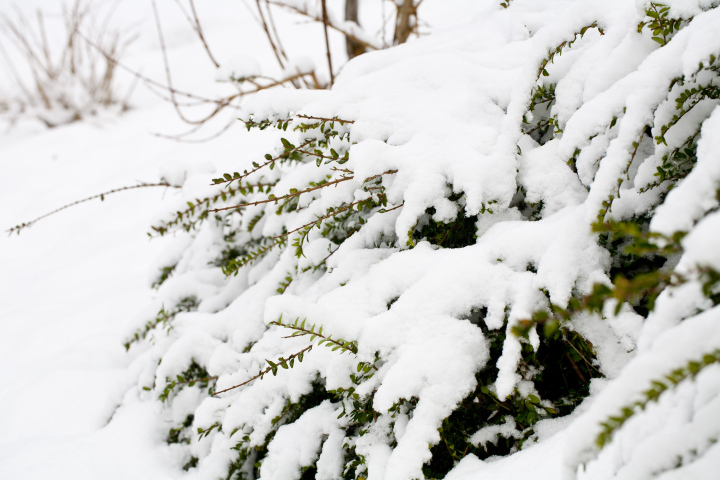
{"x": 483, "y": 227}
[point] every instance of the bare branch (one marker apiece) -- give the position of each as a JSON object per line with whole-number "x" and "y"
{"x": 195, "y": 24}
{"x": 274, "y": 47}
{"x": 327, "y": 42}
{"x": 319, "y": 19}
{"x": 101, "y": 196}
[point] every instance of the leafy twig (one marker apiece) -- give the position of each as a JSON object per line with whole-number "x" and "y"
{"x": 101, "y": 196}
{"x": 273, "y": 198}
{"x": 282, "y": 362}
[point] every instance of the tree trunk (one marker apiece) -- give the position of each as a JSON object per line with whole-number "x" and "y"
{"x": 351, "y": 14}
{"x": 405, "y": 21}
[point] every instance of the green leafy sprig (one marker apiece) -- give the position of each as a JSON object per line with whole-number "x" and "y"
{"x": 289, "y": 150}
{"x": 663, "y": 27}
{"x": 185, "y": 217}
{"x": 285, "y": 363}
{"x": 607, "y": 204}
{"x": 187, "y": 304}
{"x": 542, "y": 70}
{"x": 300, "y": 330}
{"x": 658, "y": 387}
{"x": 235, "y": 264}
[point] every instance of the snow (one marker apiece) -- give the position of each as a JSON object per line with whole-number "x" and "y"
{"x": 437, "y": 117}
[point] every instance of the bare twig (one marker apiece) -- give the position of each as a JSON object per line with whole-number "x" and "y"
{"x": 146, "y": 80}
{"x": 578, "y": 372}
{"x": 274, "y": 47}
{"x": 334, "y": 119}
{"x": 276, "y": 35}
{"x": 166, "y": 63}
{"x": 180, "y": 137}
{"x": 195, "y": 24}
{"x": 388, "y": 172}
{"x": 101, "y": 196}
{"x": 590, "y": 365}
{"x": 394, "y": 208}
{"x": 319, "y": 19}
{"x": 327, "y": 42}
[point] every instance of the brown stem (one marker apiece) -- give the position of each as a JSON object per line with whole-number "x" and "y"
{"x": 327, "y": 42}
{"x": 281, "y": 48}
{"x": 205, "y": 379}
{"x": 166, "y": 63}
{"x": 199, "y": 31}
{"x": 403, "y": 27}
{"x": 394, "y": 208}
{"x": 319, "y": 19}
{"x": 352, "y": 47}
{"x": 539, "y": 125}
{"x": 269, "y": 37}
{"x": 181, "y": 136}
{"x": 334, "y": 119}
{"x": 576, "y": 368}
{"x": 388, "y": 172}
{"x": 590, "y": 365}
{"x": 316, "y": 155}
{"x": 194, "y": 22}
{"x": 99, "y": 195}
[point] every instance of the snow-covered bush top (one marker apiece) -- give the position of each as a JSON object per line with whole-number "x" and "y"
{"x": 484, "y": 227}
